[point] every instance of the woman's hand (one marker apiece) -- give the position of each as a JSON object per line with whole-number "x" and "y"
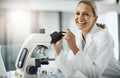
{"x": 57, "y": 47}
{"x": 70, "y": 38}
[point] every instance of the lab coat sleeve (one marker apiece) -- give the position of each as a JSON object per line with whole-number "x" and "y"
{"x": 67, "y": 67}
{"x": 91, "y": 67}
{"x": 104, "y": 52}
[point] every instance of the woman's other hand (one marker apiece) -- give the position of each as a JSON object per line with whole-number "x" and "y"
{"x": 57, "y": 46}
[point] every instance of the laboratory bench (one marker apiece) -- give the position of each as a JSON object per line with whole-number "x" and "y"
{"x": 11, "y": 74}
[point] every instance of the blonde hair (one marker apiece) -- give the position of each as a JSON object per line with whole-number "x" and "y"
{"x": 93, "y": 5}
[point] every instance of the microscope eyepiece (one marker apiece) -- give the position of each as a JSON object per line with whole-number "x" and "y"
{"x": 56, "y": 36}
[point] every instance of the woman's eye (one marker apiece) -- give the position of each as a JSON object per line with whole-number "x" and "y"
{"x": 86, "y": 14}
{"x": 77, "y": 13}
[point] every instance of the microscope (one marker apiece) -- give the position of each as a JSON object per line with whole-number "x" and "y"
{"x": 32, "y": 54}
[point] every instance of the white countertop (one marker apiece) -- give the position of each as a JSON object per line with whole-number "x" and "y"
{"x": 11, "y": 74}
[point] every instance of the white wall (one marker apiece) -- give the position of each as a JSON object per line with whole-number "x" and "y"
{"x": 55, "y": 5}
{"x": 113, "y": 28}
{"x": 49, "y": 21}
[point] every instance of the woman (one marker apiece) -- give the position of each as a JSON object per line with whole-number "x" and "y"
{"x": 94, "y": 55}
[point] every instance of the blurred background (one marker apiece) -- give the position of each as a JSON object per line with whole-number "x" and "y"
{"x": 20, "y": 18}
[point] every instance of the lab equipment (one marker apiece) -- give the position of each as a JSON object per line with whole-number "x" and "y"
{"x": 32, "y": 55}
{"x": 56, "y": 36}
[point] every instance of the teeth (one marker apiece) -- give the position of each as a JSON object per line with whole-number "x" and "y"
{"x": 81, "y": 23}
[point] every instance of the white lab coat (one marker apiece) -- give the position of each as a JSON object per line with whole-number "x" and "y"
{"x": 95, "y": 60}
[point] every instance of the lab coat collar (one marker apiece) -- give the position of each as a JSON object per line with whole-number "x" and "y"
{"x": 89, "y": 37}
{"x": 93, "y": 30}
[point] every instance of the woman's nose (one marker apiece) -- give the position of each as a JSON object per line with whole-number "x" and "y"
{"x": 80, "y": 17}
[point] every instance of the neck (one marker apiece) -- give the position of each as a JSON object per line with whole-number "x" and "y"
{"x": 84, "y": 35}
{"x": 85, "y": 32}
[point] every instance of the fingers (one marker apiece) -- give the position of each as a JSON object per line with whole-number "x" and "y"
{"x": 68, "y": 34}
{"x": 67, "y": 31}
{"x": 65, "y": 36}
{"x": 56, "y": 47}
{"x": 59, "y": 42}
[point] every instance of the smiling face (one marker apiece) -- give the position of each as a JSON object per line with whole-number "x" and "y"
{"x": 84, "y": 17}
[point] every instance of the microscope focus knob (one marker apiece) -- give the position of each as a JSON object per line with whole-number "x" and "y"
{"x": 31, "y": 70}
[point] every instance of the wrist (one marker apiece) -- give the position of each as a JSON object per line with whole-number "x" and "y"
{"x": 56, "y": 54}
{"x": 75, "y": 50}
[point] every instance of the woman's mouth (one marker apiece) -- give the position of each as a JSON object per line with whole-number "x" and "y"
{"x": 81, "y": 23}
